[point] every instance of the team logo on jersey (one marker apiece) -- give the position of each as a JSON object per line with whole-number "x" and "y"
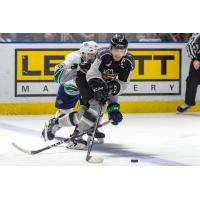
{"x": 108, "y": 75}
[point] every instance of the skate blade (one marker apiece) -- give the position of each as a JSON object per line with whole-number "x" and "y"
{"x": 99, "y": 141}
{"x": 45, "y": 132}
{"x": 71, "y": 145}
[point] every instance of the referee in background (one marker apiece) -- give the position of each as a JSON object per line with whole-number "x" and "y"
{"x": 193, "y": 79}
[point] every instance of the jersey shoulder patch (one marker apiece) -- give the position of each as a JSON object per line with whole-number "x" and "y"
{"x": 129, "y": 60}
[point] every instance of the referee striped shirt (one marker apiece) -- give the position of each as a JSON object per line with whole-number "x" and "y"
{"x": 193, "y": 46}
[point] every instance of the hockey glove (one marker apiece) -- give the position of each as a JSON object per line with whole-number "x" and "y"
{"x": 114, "y": 113}
{"x": 114, "y": 87}
{"x": 100, "y": 89}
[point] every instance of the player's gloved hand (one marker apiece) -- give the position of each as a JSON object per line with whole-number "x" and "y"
{"x": 114, "y": 87}
{"x": 100, "y": 89}
{"x": 85, "y": 66}
{"x": 114, "y": 113}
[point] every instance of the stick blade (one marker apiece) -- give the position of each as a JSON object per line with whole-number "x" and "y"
{"x": 95, "y": 159}
{"x": 22, "y": 149}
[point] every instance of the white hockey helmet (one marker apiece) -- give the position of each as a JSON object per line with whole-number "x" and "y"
{"x": 88, "y": 50}
{"x": 89, "y": 47}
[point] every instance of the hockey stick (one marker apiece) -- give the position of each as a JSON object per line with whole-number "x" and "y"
{"x": 33, "y": 152}
{"x": 89, "y": 158}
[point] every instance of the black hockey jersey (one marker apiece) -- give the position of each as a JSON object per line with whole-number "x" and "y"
{"x": 105, "y": 68}
{"x": 111, "y": 69}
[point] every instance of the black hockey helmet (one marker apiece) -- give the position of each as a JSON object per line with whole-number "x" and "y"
{"x": 119, "y": 41}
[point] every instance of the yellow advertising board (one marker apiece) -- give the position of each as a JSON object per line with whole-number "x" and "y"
{"x": 157, "y": 71}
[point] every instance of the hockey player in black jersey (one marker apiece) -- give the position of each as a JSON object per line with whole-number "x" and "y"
{"x": 107, "y": 78}
{"x": 193, "y": 79}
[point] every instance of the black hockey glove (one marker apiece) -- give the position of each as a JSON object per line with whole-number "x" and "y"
{"x": 114, "y": 113}
{"x": 114, "y": 87}
{"x": 85, "y": 66}
{"x": 100, "y": 89}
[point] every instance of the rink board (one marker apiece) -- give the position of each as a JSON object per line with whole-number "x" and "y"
{"x": 126, "y": 107}
{"x": 26, "y": 69}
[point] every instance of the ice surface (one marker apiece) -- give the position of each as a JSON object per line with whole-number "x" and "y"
{"x": 153, "y": 139}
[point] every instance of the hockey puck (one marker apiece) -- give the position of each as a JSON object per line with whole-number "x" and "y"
{"x": 134, "y": 160}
